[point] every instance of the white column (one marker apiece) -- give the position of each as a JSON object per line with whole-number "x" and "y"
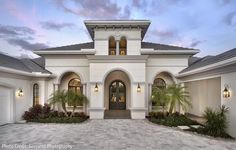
{"x": 117, "y": 47}
{"x": 55, "y": 88}
{"x": 85, "y": 93}
{"x": 149, "y": 97}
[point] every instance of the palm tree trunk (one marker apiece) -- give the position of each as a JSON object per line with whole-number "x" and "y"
{"x": 171, "y": 108}
{"x": 64, "y": 109}
{"x": 73, "y": 111}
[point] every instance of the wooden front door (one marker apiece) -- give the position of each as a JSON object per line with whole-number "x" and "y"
{"x": 117, "y": 95}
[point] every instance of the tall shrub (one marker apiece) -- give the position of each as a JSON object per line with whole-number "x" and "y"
{"x": 216, "y": 121}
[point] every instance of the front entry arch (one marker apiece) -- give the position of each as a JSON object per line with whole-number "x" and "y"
{"x": 117, "y": 95}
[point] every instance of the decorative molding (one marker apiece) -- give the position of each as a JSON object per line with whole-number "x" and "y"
{"x": 168, "y": 52}
{"x": 69, "y": 52}
{"x": 117, "y": 59}
{"x": 96, "y": 108}
{"x": 138, "y": 109}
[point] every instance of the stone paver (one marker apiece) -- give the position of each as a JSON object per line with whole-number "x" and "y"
{"x": 109, "y": 135}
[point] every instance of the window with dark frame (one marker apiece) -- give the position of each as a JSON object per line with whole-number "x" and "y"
{"x": 112, "y": 46}
{"x": 123, "y": 46}
{"x": 159, "y": 83}
{"x": 75, "y": 86}
{"x": 35, "y": 94}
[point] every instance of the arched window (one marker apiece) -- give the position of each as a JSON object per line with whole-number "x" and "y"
{"x": 35, "y": 94}
{"x": 112, "y": 46}
{"x": 76, "y": 86}
{"x": 123, "y": 46}
{"x": 159, "y": 83}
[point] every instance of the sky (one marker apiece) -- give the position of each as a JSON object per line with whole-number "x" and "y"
{"x": 207, "y": 25}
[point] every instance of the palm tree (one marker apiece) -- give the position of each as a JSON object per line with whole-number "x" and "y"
{"x": 59, "y": 97}
{"x": 160, "y": 97}
{"x": 76, "y": 99}
{"x": 178, "y": 95}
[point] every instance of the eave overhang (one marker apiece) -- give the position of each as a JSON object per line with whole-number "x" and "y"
{"x": 92, "y": 25}
{"x": 168, "y": 52}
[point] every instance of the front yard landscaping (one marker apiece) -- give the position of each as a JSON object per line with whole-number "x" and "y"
{"x": 216, "y": 122}
{"x": 173, "y": 120}
{"x": 44, "y": 114}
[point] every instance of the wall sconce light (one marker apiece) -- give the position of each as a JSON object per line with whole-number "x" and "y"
{"x": 138, "y": 88}
{"x": 226, "y": 92}
{"x": 20, "y": 93}
{"x": 96, "y": 88}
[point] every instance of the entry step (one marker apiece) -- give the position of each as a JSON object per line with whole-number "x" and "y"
{"x": 117, "y": 114}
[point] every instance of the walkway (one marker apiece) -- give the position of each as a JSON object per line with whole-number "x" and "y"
{"x": 109, "y": 135}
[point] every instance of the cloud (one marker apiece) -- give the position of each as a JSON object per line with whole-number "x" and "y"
{"x": 230, "y": 19}
{"x": 164, "y": 34}
{"x": 195, "y": 42}
{"x": 49, "y": 25}
{"x": 20, "y": 36}
{"x": 24, "y": 44}
{"x": 10, "y": 31}
{"x": 99, "y": 9}
{"x": 139, "y": 3}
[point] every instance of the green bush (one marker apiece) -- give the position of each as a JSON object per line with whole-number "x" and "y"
{"x": 173, "y": 120}
{"x": 216, "y": 122}
{"x": 44, "y": 114}
{"x": 60, "y": 120}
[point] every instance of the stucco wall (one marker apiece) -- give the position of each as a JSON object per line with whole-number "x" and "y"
{"x": 172, "y": 64}
{"x": 59, "y": 65}
{"x": 133, "y": 40}
{"x": 203, "y": 94}
{"x": 17, "y": 104}
{"x": 230, "y": 80}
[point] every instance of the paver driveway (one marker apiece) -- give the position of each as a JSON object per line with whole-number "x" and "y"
{"x": 109, "y": 134}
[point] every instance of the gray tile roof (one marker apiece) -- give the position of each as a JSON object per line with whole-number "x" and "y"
{"x": 88, "y": 45}
{"x": 208, "y": 60}
{"x": 40, "y": 61}
{"x": 192, "y": 60}
{"x": 157, "y": 46}
{"x": 26, "y": 65}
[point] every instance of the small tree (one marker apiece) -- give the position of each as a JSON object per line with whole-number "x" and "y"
{"x": 160, "y": 97}
{"x": 178, "y": 95}
{"x": 76, "y": 99}
{"x": 61, "y": 98}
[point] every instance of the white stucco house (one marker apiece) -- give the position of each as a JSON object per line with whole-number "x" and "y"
{"x": 116, "y": 71}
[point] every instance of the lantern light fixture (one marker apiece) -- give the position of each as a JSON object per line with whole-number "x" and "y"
{"x": 96, "y": 88}
{"x": 226, "y": 92}
{"x": 138, "y": 88}
{"x": 20, "y": 93}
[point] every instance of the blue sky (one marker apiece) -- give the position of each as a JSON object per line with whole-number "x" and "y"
{"x": 208, "y": 25}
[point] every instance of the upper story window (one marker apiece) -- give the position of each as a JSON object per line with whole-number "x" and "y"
{"x": 112, "y": 46}
{"x": 123, "y": 46}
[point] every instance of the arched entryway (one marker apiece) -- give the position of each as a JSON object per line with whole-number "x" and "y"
{"x": 117, "y": 95}
{"x": 72, "y": 81}
{"x": 161, "y": 81}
